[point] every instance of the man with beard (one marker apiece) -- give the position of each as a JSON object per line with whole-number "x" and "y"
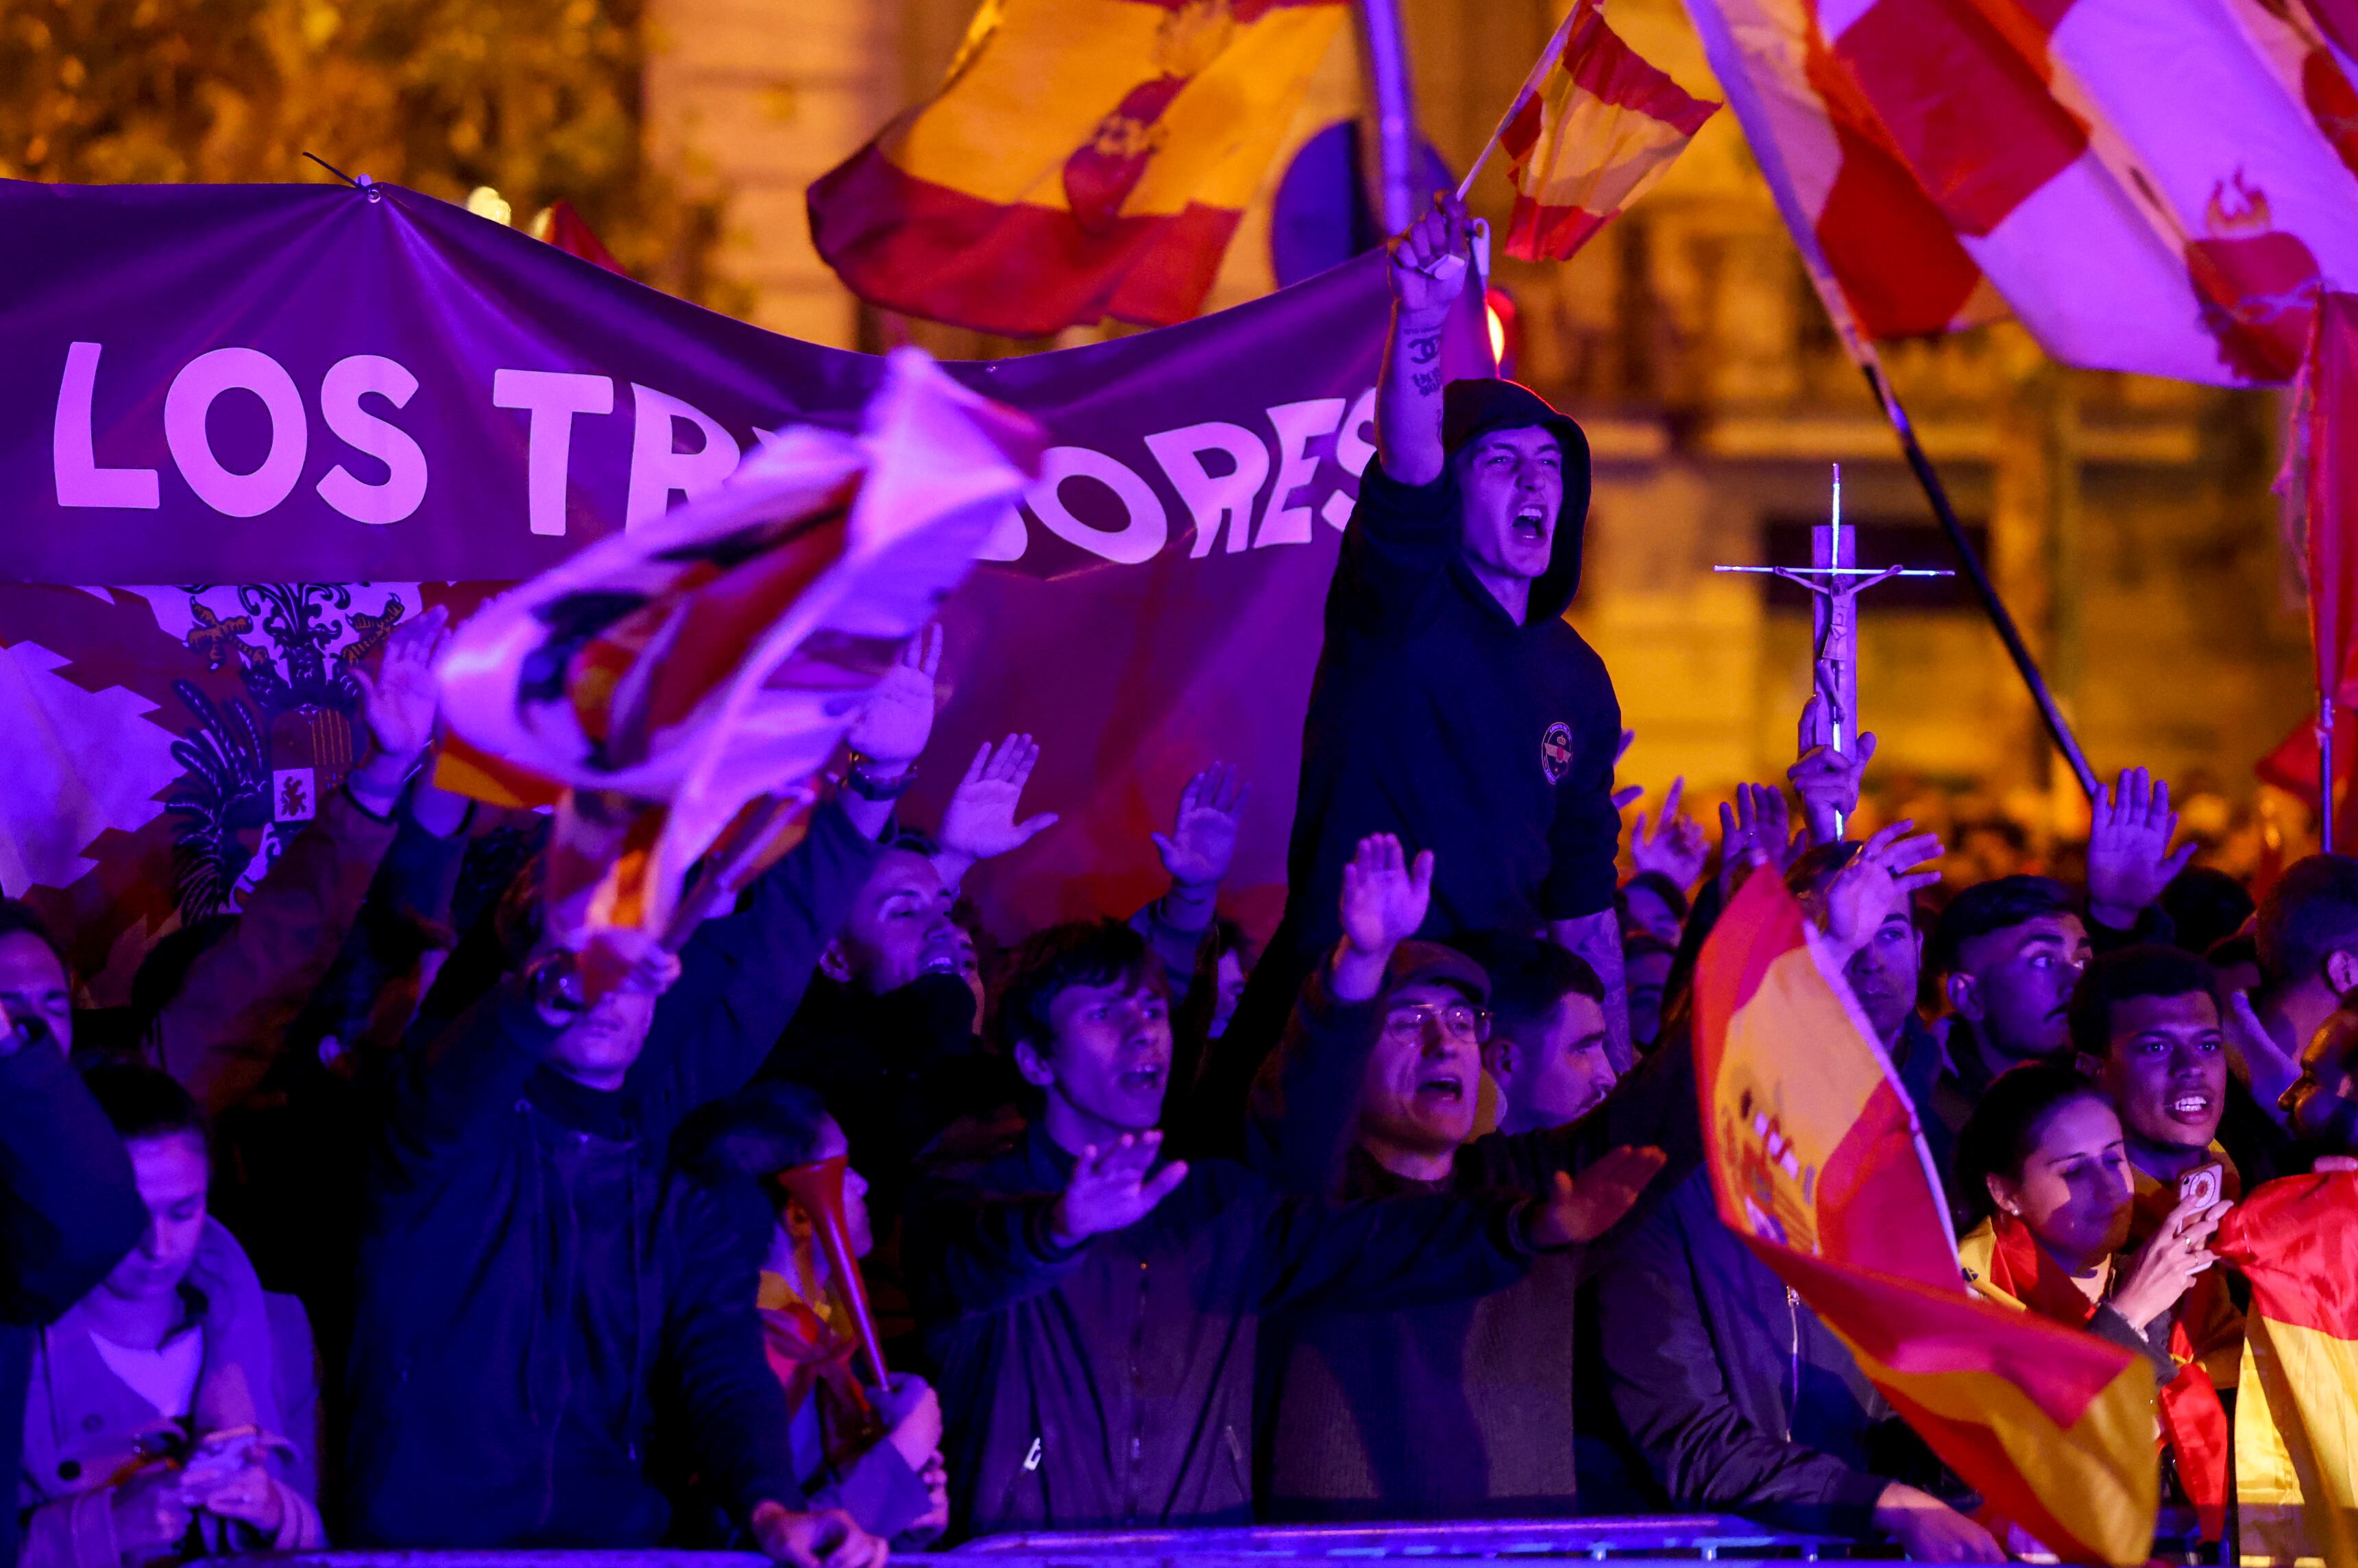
{"x": 1452, "y": 1408}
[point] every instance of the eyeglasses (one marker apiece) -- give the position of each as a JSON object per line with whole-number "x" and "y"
{"x": 1462, "y": 1020}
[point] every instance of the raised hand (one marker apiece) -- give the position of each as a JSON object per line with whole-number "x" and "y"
{"x": 1864, "y": 893}
{"x": 1111, "y": 1190}
{"x": 1827, "y": 780}
{"x": 2129, "y": 859}
{"x": 2170, "y": 1262}
{"x": 1385, "y": 895}
{"x": 1756, "y": 822}
{"x": 1583, "y": 1207}
{"x": 1677, "y": 847}
{"x": 828, "y": 1538}
{"x": 1429, "y": 262}
{"x": 898, "y": 718}
{"x": 1203, "y": 837}
{"x": 980, "y": 820}
{"x": 398, "y": 701}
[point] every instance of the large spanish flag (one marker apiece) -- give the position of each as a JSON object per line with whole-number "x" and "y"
{"x": 1594, "y": 127}
{"x": 1084, "y": 158}
{"x": 1818, "y": 1162}
{"x": 2296, "y": 1241}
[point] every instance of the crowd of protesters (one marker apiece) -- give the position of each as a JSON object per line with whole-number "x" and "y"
{"x": 361, "y": 1226}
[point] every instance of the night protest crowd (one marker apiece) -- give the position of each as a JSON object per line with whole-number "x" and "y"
{"x": 359, "y": 1227}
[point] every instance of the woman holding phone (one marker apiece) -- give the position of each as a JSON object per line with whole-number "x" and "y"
{"x": 2043, "y": 1162}
{"x": 173, "y": 1410}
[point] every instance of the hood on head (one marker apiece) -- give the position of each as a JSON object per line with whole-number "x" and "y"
{"x": 1477, "y": 405}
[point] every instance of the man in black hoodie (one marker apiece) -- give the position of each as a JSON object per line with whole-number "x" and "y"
{"x": 1454, "y": 706}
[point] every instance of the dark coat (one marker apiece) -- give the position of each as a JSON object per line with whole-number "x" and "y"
{"x": 1741, "y": 1400}
{"x": 69, "y": 1212}
{"x": 1111, "y": 1384}
{"x": 1446, "y": 1410}
{"x": 512, "y": 1352}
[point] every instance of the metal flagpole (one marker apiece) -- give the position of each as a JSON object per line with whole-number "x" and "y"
{"x": 2059, "y": 728}
{"x": 1395, "y": 103}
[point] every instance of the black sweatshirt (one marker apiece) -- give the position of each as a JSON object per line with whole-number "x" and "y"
{"x": 69, "y": 1212}
{"x": 1435, "y": 717}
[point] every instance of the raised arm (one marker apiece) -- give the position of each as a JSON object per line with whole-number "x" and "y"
{"x": 220, "y": 1033}
{"x": 1196, "y": 853}
{"x": 1429, "y": 266}
{"x": 1304, "y": 1109}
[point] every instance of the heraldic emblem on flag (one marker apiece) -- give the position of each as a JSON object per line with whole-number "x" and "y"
{"x": 1591, "y": 131}
{"x": 1085, "y": 158}
{"x": 1816, "y": 1159}
{"x": 685, "y": 682}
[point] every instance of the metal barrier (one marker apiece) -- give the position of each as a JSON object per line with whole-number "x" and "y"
{"x": 1629, "y": 1541}
{"x": 1703, "y": 1537}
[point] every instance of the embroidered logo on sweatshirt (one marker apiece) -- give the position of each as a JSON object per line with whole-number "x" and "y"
{"x": 1555, "y": 752}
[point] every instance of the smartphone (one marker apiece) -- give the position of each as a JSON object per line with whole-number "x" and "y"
{"x": 2200, "y": 1187}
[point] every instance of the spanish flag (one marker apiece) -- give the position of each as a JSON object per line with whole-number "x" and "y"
{"x": 1594, "y": 128}
{"x": 2296, "y": 1241}
{"x": 1817, "y": 1159}
{"x": 1084, "y": 158}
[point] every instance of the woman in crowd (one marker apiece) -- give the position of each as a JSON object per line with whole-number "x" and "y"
{"x": 173, "y": 1410}
{"x": 876, "y": 1453}
{"x": 2044, "y": 1160}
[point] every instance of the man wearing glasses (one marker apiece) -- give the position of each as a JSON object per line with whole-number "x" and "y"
{"x": 1455, "y": 1409}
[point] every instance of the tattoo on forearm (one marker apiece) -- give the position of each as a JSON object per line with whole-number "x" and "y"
{"x": 1426, "y": 382}
{"x": 1425, "y": 350}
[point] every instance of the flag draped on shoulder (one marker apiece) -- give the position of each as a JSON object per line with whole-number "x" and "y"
{"x": 2151, "y": 188}
{"x": 1594, "y": 128}
{"x": 1817, "y": 1161}
{"x": 1084, "y": 158}
{"x": 2296, "y": 1241}
{"x": 688, "y": 679}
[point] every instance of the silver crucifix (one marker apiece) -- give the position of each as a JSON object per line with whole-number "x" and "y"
{"x": 1836, "y": 579}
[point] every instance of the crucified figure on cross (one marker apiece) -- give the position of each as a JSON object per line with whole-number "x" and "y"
{"x": 1836, "y": 579}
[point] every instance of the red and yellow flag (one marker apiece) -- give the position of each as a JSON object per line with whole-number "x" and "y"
{"x": 1594, "y": 127}
{"x": 2296, "y": 1241}
{"x": 1084, "y": 158}
{"x": 1817, "y": 1161}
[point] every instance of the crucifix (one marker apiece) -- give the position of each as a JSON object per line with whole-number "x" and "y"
{"x": 1836, "y": 579}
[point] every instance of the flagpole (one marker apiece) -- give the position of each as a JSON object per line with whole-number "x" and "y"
{"x": 2325, "y": 773}
{"x": 1395, "y": 103}
{"x": 2059, "y": 728}
{"x": 1531, "y": 85}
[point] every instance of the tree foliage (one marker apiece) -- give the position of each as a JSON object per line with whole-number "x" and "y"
{"x": 539, "y": 99}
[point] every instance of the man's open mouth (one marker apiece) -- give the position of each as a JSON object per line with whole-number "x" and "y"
{"x": 1442, "y": 1088}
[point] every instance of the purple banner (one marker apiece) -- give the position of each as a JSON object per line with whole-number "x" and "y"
{"x": 276, "y": 385}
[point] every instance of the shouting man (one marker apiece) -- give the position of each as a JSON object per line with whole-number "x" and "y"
{"x": 1453, "y": 707}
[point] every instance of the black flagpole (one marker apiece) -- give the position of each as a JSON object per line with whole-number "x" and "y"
{"x": 2059, "y": 728}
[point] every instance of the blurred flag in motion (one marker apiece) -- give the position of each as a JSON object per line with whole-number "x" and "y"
{"x": 1817, "y": 1161}
{"x": 1594, "y": 128}
{"x": 2296, "y": 1241}
{"x": 1084, "y": 158}
{"x": 685, "y": 681}
{"x": 2158, "y": 188}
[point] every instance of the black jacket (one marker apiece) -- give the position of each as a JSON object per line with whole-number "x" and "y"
{"x": 1446, "y": 1410}
{"x": 1111, "y": 1384}
{"x": 1741, "y": 1399}
{"x": 1433, "y": 716}
{"x": 69, "y": 1212}
{"x": 537, "y": 1289}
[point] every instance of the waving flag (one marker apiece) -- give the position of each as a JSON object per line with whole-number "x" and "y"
{"x": 1818, "y": 1162}
{"x": 1591, "y": 131}
{"x": 2150, "y": 187}
{"x": 2296, "y": 1241}
{"x": 688, "y": 677}
{"x": 1085, "y": 158}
